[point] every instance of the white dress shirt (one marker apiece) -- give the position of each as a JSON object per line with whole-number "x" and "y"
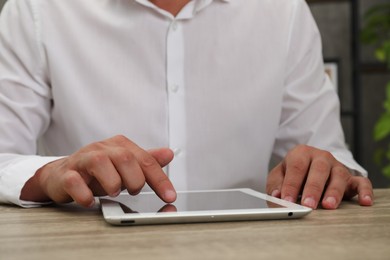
{"x": 227, "y": 85}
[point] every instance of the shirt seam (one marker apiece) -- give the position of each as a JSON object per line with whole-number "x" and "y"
{"x": 38, "y": 36}
{"x": 290, "y": 33}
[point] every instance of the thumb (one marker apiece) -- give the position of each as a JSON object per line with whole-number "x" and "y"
{"x": 162, "y": 155}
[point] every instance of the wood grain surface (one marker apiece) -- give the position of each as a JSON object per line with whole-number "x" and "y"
{"x": 71, "y": 232}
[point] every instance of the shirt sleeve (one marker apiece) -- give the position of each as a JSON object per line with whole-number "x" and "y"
{"x": 15, "y": 170}
{"x": 25, "y": 98}
{"x": 311, "y": 108}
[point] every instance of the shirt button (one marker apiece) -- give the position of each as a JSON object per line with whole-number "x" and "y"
{"x": 174, "y": 88}
{"x": 174, "y": 25}
{"x": 177, "y": 151}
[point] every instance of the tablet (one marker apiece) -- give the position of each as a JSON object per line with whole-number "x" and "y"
{"x": 198, "y": 206}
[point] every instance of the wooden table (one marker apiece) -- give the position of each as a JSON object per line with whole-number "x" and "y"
{"x": 70, "y": 232}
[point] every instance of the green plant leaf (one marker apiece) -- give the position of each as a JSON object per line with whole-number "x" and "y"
{"x": 388, "y": 91}
{"x": 379, "y": 8}
{"x": 377, "y": 22}
{"x": 376, "y": 32}
{"x": 380, "y": 54}
{"x": 382, "y": 127}
{"x": 376, "y": 29}
{"x": 386, "y": 106}
{"x": 378, "y": 156}
{"x": 368, "y": 36}
{"x": 386, "y": 171}
{"x": 386, "y": 50}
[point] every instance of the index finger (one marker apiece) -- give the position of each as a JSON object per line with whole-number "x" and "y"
{"x": 155, "y": 176}
{"x": 151, "y": 168}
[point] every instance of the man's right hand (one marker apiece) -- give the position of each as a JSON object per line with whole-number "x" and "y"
{"x": 101, "y": 168}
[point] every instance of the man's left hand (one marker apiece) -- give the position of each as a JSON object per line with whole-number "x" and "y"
{"x": 319, "y": 177}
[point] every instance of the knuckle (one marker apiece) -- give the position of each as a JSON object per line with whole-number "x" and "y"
{"x": 364, "y": 182}
{"x": 135, "y": 184}
{"x": 301, "y": 149}
{"x": 120, "y": 139}
{"x": 96, "y": 158}
{"x": 112, "y": 185}
{"x": 321, "y": 165}
{"x": 96, "y": 146}
{"x": 340, "y": 172}
{"x": 146, "y": 161}
{"x": 291, "y": 186}
{"x": 299, "y": 165}
{"x": 325, "y": 154}
{"x": 70, "y": 180}
{"x": 335, "y": 192}
{"x": 162, "y": 179}
{"x": 124, "y": 155}
{"x": 316, "y": 187}
{"x": 367, "y": 182}
{"x": 112, "y": 182}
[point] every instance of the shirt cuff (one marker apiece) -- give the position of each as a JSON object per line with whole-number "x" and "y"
{"x": 14, "y": 176}
{"x": 350, "y": 163}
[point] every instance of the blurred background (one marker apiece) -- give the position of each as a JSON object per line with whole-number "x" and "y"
{"x": 360, "y": 78}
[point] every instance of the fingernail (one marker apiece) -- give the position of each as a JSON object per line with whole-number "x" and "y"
{"x": 275, "y": 193}
{"x": 289, "y": 198}
{"x": 169, "y": 196}
{"x": 309, "y": 202}
{"x": 367, "y": 199}
{"x": 331, "y": 201}
{"x": 116, "y": 193}
{"x": 91, "y": 204}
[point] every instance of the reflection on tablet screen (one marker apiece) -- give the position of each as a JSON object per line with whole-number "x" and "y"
{"x": 207, "y": 201}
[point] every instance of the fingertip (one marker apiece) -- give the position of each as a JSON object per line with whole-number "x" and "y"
{"x": 289, "y": 199}
{"x": 275, "y": 181}
{"x": 276, "y": 193}
{"x": 115, "y": 194}
{"x": 365, "y": 192}
{"x": 366, "y": 200}
{"x": 91, "y": 204}
{"x": 329, "y": 203}
{"x": 86, "y": 202}
{"x": 169, "y": 196}
{"x": 168, "y": 153}
{"x": 309, "y": 202}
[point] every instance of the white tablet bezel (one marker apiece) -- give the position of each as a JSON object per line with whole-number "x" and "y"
{"x": 114, "y": 214}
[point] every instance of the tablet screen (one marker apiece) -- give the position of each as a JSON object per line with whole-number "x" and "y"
{"x": 203, "y": 201}
{"x": 198, "y": 206}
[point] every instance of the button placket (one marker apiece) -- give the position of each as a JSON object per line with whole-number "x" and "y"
{"x": 174, "y": 88}
{"x": 174, "y": 25}
{"x": 176, "y": 104}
